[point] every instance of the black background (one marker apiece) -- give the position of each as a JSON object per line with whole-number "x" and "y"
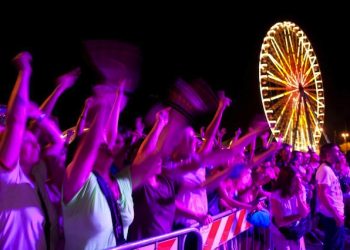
{"x": 220, "y": 44}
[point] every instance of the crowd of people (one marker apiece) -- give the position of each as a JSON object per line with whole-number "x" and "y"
{"x": 97, "y": 186}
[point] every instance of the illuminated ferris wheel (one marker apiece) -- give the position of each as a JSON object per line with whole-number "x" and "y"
{"x": 291, "y": 86}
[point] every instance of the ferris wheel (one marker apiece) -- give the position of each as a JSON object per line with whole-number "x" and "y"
{"x": 291, "y": 87}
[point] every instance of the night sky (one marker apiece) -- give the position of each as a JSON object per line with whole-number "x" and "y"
{"x": 219, "y": 45}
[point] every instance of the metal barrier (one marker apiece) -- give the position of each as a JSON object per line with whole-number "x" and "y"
{"x": 173, "y": 240}
{"x": 225, "y": 227}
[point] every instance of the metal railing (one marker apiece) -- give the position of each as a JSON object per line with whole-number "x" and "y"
{"x": 167, "y": 241}
{"x": 223, "y": 230}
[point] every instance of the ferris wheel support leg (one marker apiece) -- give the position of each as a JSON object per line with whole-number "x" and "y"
{"x": 297, "y": 124}
{"x": 308, "y": 121}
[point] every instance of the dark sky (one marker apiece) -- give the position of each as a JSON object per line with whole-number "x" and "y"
{"x": 220, "y": 45}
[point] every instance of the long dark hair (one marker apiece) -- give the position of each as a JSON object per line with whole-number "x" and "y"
{"x": 285, "y": 182}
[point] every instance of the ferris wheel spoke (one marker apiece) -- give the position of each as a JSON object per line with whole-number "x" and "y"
{"x": 311, "y": 97}
{"x": 282, "y": 124}
{"x": 304, "y": 62}
{"x": 286, "y": 32}
{"x": 281, "y": 54}
{"x": 320, "y": 103}
{"x": 312, "y": 112}
{"x": 307, "y": 121}
{"x": 283, "y": 94}
{"x": 307, "y": 75}
{"x": 288, "y": 48}
{"x": 293, "y": 49}
{"x": 312, "y": 81}
{"x": 311, "y": 103}
{"x": 276, "y": 88}
{"x": 310, "y": 90}
{"x": 277, "y": 80}
{"x": 276, "y": 107}
{"x": 282, "y": 70}
{"x": 289, "y": 128}
{"x": 314, "y": 119}
{"x": 281, "y": 104}
{"x": 303, "y": 70}
{"x": 299, "y": 54}
{"x": 282, "y": 113}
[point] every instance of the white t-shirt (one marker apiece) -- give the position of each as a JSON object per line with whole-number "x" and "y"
{"x": 326, "y": 176}
{"x": 194, "y": 200}
{"x": 87, "y": 217}
{"x": 289, "y": 205}
{"x": 21, "y": 216}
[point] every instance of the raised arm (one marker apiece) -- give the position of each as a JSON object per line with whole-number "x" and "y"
{"x": 113, "y": 121}
{"x": 149, "y": 145}
{"x": 221, "y": 157}
{"x": 64, "y": 82}
{"x": 147, "y": 161}
{"x": 10, "y": 144}
{"x": 82, "y": 122}
{"x": 78, "y": 171}
{"x": 213, "y": 127}
{"x": 258, "y": 159}
{"x": 238, "y": 133}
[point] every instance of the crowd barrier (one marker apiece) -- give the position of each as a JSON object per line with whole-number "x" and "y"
{"x": 225, "y": 227}
{"x": 172, "y": 241}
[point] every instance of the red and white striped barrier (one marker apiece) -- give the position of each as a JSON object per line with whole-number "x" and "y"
{"x": 224, "y": 229}
{"x": 170, "y": 244}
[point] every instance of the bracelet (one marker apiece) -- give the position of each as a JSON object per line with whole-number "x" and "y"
{"x": 41, "y": 118}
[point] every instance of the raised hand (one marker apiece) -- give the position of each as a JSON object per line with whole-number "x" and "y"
{"x": 139, "y": 125}
{"x": 238, "y": 132}
{"x": 223, "y": 100}
{"x": 222, "y": 132}
{"x": 23, "y": 61}
{"x": 68, "y": 79}
{"x": 162, "y": 116}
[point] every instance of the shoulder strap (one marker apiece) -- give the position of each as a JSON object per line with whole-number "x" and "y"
{"x": 113, "y": 207}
